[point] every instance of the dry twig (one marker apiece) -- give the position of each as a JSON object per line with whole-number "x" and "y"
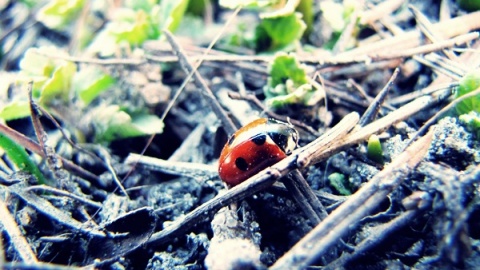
{"x": 16, "y": 237}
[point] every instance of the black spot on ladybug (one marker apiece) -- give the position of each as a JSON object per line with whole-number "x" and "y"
{"x": 280, "y": 139}
{"x": 241, "y": 164}
{"x": 230, "y": 141}
{"x": 260, "y": 139}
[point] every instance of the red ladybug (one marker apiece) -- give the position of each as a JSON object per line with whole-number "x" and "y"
{"x": 254, "y": 147}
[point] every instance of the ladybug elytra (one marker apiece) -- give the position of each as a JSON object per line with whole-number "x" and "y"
{"x": 254, "y": 147}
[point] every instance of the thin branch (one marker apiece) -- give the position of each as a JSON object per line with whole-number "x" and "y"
{"x": 425, "y": 91}
{"x": 106, "y": 160}
{"x": 16, "y": 237}
{"x": 426, "y": 28}
{"x": 197, "y": 171}
{"x": 52, "y": 160}
{"x": 376, "y": 104}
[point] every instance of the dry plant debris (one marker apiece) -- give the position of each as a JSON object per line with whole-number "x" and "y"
{"x": 123, "y": 107}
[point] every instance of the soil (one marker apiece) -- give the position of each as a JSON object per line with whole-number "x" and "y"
{"x": 415, "y": 207}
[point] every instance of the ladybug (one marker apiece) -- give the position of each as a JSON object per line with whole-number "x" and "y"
{"x": 254, "y": 147}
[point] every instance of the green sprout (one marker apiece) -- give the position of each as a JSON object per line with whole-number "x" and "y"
{"x": 288, "y": 83}
{"x": 374, "y": 149}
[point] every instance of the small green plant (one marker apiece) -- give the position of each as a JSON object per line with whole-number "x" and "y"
{"x": 114, "y": 122}
{"x": 137, "y": 22}
{"x": 55, "y": 79}
{"x": 288, "y": 83}
{"x": 17, "y": 154}
{"x": 269, "y": 35}
{"x": 60, "y": 83}
{"x": 374, "y": 149}
{"x": 338, "y": 182}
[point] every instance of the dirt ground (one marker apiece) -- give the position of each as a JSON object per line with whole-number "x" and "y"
{"x": 113, "y": 200}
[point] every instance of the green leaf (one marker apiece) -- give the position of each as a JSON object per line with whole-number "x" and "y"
{"x": 288, "y": 83}
{"x": 15, "y": 110}
{"x": 58, "y": 13}
{"x": 60, "y": 84}
{"x": 37, "y": 67}
{"x": 305, "y": 95}
{"x": 132, "y": 27}
{"x": 198, "y": 7}
{"x": 469, "y": 5}
{"x": 338, "y": 182}
{"x": 52, "y": 78}
{"x": 286, "y": 67}
{"x": 283, "y": 30}
{"x": 171, "y": 11}
{"x": 308, "y": 14}
{"x": 17, "y": 154}
{"x": 111, "y": 123}
{"x": 89, "y": 82}
{"x": 338, "y": 16}
{"x": 469, "y": 83}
